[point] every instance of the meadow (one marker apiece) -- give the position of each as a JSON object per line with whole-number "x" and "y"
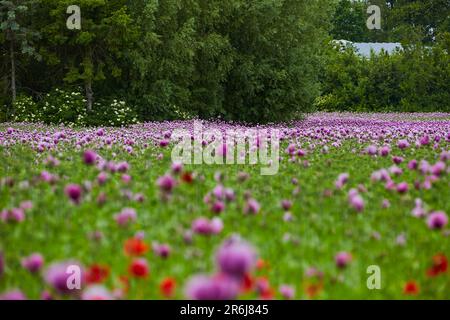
{"x": 352, "y": 191}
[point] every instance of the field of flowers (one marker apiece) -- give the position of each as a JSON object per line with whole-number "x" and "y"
{"x": 352, "y": 191}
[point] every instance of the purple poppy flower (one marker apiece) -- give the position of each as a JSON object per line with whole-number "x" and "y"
{"x": 65, "y": 277}
{"x": 33, "y": 263}
{"x": 437, "y": 220}
{"x": 162, "y": 250}
{"x": 89, "y": 157}
{"x": 177, "y": 167}
{"x": 412, "y": 165}
{"x": 45, "y": 295}
{"x": 236, "y": 258}
{"x": 342, "y": 259}
{"x": 402, "y": 187}
{"x": 166, "y": 183}
{"x": 371, "y": 150}
{"x": 74, "y": 192}
{"x": 96, "y": 292}
{"x": 125, "y": 217}
{"x": 425, "y": 140}
{"x": 13, "y": 295}
{"x": 438, "y": 168}
{"x": 123, "y": 167}
{"x": 397, "y": 159}
{"x": 218, "y": 207}
{"x": 201, "y": 226}
{"x": 341, "y": 180}
{"x": 287, "y": 292}
{"x": 17, "y": 215}
{"x": 403, "y": 144}
{"x": 384, "y": 151}
{"x": 286, "y": 204}
{"x": 355, "y": 200}
{"x": 204, "y": 287}
{"x": 229, "y": 194}
{"x": 252, "y": 206}
{"x": 216, "y": 225}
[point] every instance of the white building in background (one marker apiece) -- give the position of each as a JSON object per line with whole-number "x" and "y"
{"x": 365, "y": 48}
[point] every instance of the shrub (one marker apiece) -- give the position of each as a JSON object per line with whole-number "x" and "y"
{"x": 26, "y": 110}
{"x": 113, "y": 113}
{"x": 416, "y": 79}
{"x": 63, "y": 107}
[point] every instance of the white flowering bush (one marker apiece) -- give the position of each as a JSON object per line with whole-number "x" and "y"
{"x": 68, "y": 107}
{"x": 113, "y": 113}
{"x": 64, "y": 107}
{"x": 26, "y": 110}
{"x": 182, "y": 114}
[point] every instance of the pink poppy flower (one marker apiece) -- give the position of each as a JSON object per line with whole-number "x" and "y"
{"x": 58, "y": 275}
{"x": 33, "y": 263}
{"x": 166, "y": 183}
{"x": 287, "y": 292}
{"x": 252, "y": 206}
{"x": 402, "y": 187}
{"x": 236, "y": 258}
{"x": 125, "y": 217}
{"x": 437, "y": 220}
{"x": 342, "y": 259}
{"x": 13, "y": 295}
{"x": 96, "y": 292}
{"x": 89, "y": 157}
{"x": 74, "y": 192}
{"x": 204, "y": 287}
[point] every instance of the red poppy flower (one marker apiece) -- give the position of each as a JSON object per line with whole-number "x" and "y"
{"x": 139, "y": 268}
{"x": 312, "y": 290}
{"x": 97, "y": 273}
{"x": 263, "y": 288}
{"x": 267, "y": 294}
{"x": 167, "y": 287}
{"x": 261, "y": 264}
{"x": 187, "y": 177}
{"x": 440, "y": 265}
{"x": 411, "y": 288}
{"x": 247, "y": 283}
{"x": 135, "y": 247}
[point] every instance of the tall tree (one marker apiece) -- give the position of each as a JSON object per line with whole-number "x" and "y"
{"x": 97, "y": 50}
{"x": 422, "y": 19}
{"x": 349, "y": 21}
{"x": 18, "y": 37}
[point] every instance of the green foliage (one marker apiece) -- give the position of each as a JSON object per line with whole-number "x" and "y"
{"x": 111, "y": 113}
{"x": 26, "y": 110}
{"x": 349, "y": 21}
{"x": 57, "y": 107}
{"x": 251, "y": 61}
{"x": 63, "y": 107}
{"x": 417, "y": 79}
{"x": 12, "y": 17}
{"x": 419, "y": 19}
{"x": 93, "y": 53}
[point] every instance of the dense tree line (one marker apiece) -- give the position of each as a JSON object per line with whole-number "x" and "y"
{"x": 237, "y": 59}
{"x": 246, "y": 60}
{"x": 414, "y": 79}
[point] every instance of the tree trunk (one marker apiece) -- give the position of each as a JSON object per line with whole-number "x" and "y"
{"x": 13, "y": 72}
{"x": 89, "y": 94}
